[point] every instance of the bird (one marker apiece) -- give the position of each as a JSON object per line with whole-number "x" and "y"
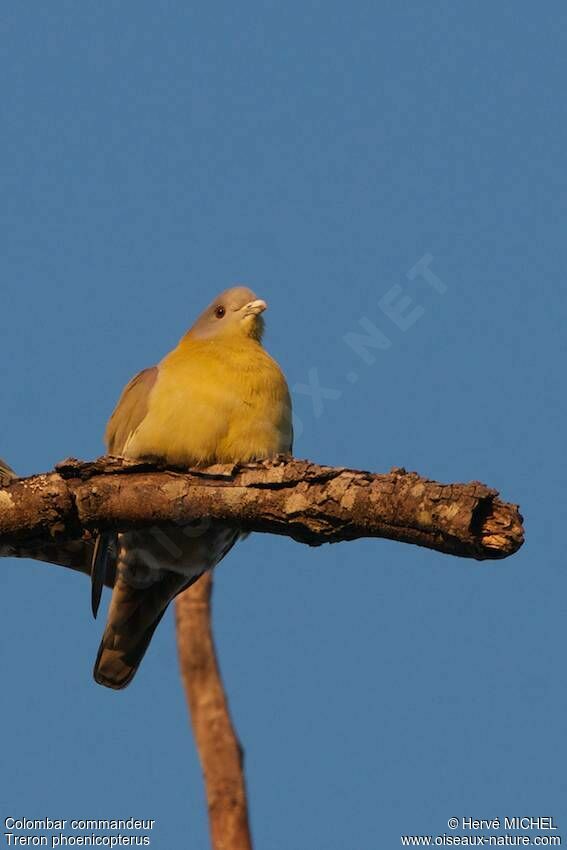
{"x": 218, "y": 397}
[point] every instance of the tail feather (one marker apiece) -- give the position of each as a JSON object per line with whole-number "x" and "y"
{"x": 132, "y": 619}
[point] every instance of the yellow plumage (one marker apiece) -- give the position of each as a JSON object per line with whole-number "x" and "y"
{"x": 215, "y": 402}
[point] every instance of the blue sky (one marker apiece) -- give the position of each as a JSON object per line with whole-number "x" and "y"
{"x": 154, "y": 154}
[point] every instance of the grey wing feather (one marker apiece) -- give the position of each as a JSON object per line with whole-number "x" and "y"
{"x": 127, "y": 416}
{"x": 130, "y": 411}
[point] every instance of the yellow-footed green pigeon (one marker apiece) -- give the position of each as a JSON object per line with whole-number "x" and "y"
{"x": 217, "y": 398}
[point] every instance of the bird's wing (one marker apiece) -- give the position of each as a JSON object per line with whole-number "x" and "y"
{"x": 127, "y": 416}
{"x": 130, "y": 411}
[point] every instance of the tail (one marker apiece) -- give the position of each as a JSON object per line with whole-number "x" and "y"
{"x": 133, "y": 617}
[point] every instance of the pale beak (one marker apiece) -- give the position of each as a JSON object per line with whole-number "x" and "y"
{"x": 254, "y": 308}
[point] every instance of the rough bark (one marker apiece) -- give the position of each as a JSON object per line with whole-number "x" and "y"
{"x": 51, "y": 516}
{"x": 219, "y": 749}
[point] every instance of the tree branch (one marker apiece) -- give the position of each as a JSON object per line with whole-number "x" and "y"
{"x": 51, "y": 516}
{"x": 219, "y": 749}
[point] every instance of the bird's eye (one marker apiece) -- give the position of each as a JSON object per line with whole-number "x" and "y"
{"x": 219, "y": 311}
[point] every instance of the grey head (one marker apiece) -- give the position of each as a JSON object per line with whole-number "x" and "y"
{"x": 236, "y": 312}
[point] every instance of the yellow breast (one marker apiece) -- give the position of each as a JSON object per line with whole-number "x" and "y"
{"x": 215, "y": 403}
